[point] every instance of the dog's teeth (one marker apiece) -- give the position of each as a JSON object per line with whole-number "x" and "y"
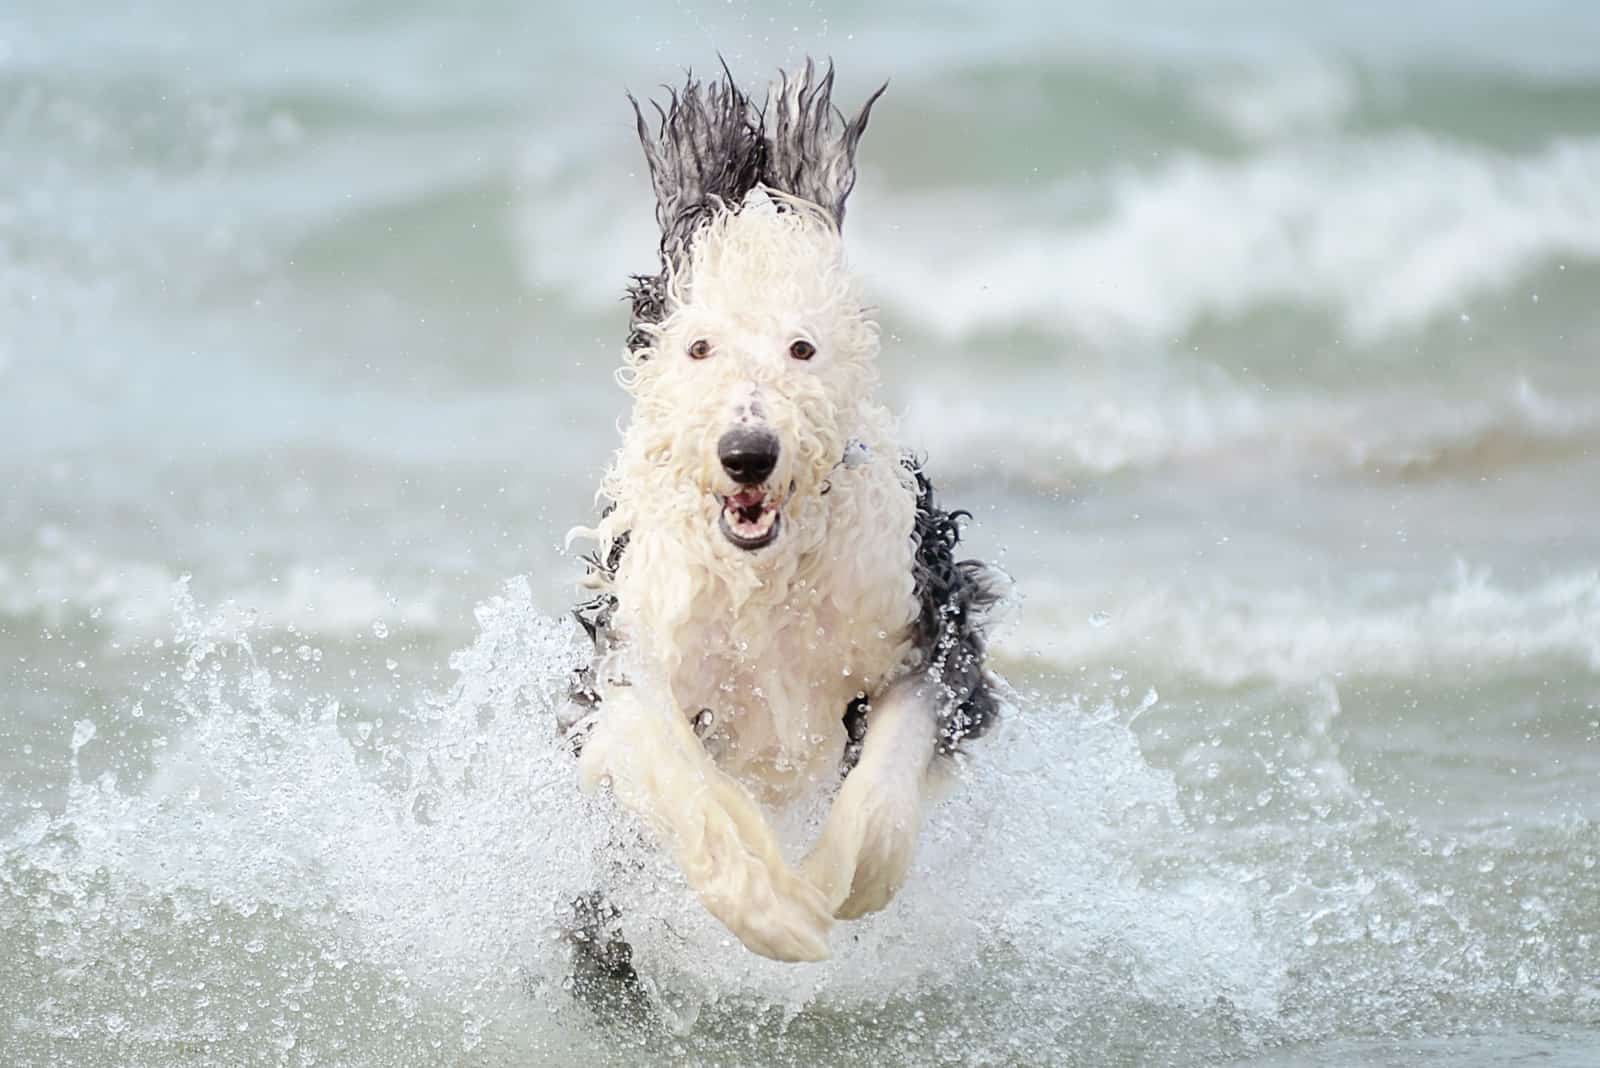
{"x": 749, "y": 515}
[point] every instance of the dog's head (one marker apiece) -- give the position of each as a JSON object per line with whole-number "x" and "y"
{"x": 751, "y": 387}
{"x": 751, "y": 355}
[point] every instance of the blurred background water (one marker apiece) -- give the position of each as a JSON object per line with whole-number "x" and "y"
{"x": 1263, "y": 344}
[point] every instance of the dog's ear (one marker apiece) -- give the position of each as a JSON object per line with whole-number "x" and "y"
{"x": 810, "y": 145}
{"x": 706, "y": 150}
{"x": 710, "y": 147}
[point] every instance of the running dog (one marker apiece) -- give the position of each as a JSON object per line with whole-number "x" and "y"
{"x": 774, "y": 598}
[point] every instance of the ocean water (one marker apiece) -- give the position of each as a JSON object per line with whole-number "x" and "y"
{"x": 1264, "y": 346}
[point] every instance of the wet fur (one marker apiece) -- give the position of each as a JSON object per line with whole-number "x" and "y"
{"x": 722, "y": 678}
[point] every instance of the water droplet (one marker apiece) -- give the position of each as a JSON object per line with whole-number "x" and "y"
{"x": 82, "y": 734}
{"x": 380, "y": 629}
{"x": 1099, "y": 619}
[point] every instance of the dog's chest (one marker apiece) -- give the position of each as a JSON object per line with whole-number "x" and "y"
{"x": 772, "y": 683}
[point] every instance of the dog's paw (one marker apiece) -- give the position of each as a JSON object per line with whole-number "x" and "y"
{"x": 866, "y": 848}
{"x": 881, "y": 867}
{"x": 776, "y": 914}
{"x": 736, "y": 868}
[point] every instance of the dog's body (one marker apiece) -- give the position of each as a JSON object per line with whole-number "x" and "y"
{"x": 775, "y": 594}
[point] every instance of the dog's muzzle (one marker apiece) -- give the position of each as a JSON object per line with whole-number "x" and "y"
{"x": 749, "y": 518}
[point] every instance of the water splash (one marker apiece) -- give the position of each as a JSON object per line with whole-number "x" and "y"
{"x": 295, "y": 858}
{"x": 303, "y": 873}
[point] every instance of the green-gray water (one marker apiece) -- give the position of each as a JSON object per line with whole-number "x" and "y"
{"x": 1264, "y": 348}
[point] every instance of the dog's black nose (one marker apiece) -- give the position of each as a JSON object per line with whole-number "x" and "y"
{"x": 748, "y": 455}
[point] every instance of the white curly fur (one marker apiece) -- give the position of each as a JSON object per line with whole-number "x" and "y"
{"x": 776, "y": 642}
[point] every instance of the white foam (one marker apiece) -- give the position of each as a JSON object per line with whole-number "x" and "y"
{"x": 64, "y": 576}
{"x": 585, "y": 219}
{"x": 1289, "y": 96}
{"x": 1099, "y": 423}
{"x": 336, "y": 602}
{"x": 1385, "y": 233}
{"x": 1091, "y": 424}
{"x": 1228, "y": 633}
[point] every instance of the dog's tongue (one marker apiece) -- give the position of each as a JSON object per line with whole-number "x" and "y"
{"x": 747, "y": 498}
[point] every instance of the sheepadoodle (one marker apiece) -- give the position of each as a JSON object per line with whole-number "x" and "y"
{"x": 774, "y": 599}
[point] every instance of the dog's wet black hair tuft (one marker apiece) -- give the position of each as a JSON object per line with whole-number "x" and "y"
{"x": 706, "y": 150}
{"x": 953, "y": 598}
{"x": 711, "y": 146}
{"x": 811, "y": 146}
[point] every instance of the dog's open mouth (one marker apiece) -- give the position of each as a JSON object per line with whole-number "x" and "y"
{"x": 749, "y": 519}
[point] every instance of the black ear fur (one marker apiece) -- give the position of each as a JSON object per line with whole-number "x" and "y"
{"x": 707, "y": 150}
{"x": 711, "y": 146}
{"x": 811, "y": 146}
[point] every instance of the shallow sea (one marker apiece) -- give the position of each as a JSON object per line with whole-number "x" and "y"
{"x": 1264, "y": 348}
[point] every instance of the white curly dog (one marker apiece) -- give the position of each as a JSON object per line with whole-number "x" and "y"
{"x": 773, "y": 597}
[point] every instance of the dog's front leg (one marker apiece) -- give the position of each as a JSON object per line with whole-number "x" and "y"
{"x": 864, "y": 852}
{"x": 657, "y": 768}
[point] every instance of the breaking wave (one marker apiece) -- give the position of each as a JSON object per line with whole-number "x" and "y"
{"x": 1098, "y": 425}
{"x": 1227, "y": 633}
{"x": 1386, "y": 234}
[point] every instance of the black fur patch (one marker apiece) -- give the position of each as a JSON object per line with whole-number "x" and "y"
{"x": 954, "y": 598}
{"x": 707, "y": 150}
{"x": 811, "y": 146}
{"x": 711, "y": 146}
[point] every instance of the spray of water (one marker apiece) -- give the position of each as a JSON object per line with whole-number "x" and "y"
{"x": 302, "y": 872}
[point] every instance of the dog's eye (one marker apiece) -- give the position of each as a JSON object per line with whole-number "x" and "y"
{"x": 802, "y": 349}
{"x": 700, "y": 349}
